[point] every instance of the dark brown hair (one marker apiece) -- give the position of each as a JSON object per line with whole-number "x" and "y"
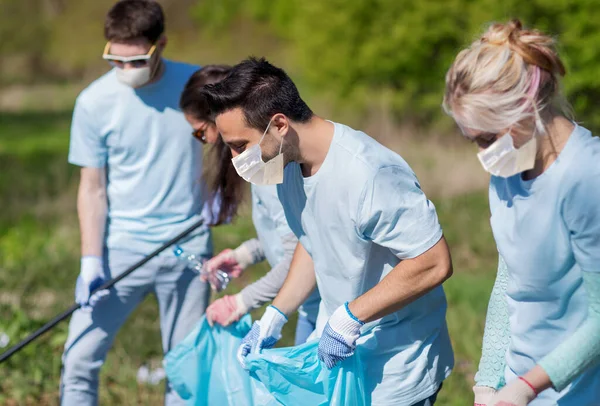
{"x": 219, "y": 172}
{"x": 260, "y": 90}
{"x": 134, "y": 19}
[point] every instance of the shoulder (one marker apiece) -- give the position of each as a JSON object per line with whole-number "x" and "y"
{"x": 99, "y": 90}
{"x": 366, "y": 158}
{"x": 180, "y": 70}
{"x": 264, "y": 192}
{"x": 268, "y": 196}
{"x": 582, "y": 172}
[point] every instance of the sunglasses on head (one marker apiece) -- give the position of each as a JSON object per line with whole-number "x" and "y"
{"x": 137, "y": 61}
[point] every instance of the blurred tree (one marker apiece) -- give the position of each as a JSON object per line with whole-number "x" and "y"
{"x": 23, "y": 37}
{"x": 389, "y": 53}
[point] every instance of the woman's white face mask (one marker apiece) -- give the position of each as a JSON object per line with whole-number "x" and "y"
{"x": 504, "y": 160}
{"x": 251, "y": 167}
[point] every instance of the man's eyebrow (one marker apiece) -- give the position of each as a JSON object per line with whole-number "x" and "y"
{"x": 236, "y": 141}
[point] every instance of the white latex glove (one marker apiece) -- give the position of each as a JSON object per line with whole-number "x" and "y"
{"x": 516, "y": 393}
{"x": 483, "y": 395}
{"x": 90, "y": 277}
{"x": 339, "y": 337}
{"x": 264, "y": 333}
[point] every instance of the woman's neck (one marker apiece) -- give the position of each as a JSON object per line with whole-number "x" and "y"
{"x": 550, "y": 145}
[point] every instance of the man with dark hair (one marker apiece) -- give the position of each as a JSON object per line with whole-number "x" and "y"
{"x": 368, "y": 237}
{"x": 139, "y": 186}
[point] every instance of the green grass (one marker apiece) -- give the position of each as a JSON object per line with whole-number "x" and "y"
{"x": 39, "y": 252}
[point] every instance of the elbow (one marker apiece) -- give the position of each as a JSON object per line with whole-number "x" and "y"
{"x": 442, "y": 271}
{"x": 442, "y": 266}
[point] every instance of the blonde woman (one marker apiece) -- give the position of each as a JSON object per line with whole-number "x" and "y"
{"x": 541, "y": 344}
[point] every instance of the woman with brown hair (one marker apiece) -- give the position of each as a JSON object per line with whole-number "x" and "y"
{"x": 541, "y": 344}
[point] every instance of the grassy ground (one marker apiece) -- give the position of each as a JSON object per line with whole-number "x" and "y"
{"x": 39, "y": 245}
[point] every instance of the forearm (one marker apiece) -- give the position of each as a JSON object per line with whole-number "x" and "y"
{"x": 92, "y": 210}
{"x": 496, "y": 336}
{"x": 299, "y": 284}
{"x": 408, "y": 281}
{"x": 266, "y": 288}
{"x": 249, "y": 253}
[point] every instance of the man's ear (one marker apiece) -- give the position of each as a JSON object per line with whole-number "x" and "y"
{"x": 281, "y": 123}
{"x": 162, "y": 42}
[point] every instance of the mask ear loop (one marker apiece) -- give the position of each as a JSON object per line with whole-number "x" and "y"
{"x": 280, "y": 146}
{"x": 265, "y": 133}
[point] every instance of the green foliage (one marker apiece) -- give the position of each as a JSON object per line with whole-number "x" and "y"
{"x": 360, "y": 53}
{"x": 399, "y": 50}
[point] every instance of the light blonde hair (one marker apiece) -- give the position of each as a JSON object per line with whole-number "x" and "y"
{"x": 509, "y": 75}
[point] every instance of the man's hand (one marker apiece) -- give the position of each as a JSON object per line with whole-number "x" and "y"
{"x": 339, "y": 337}
{"x": 90, "y": 277}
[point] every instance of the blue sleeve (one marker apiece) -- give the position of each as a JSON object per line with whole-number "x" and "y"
{"x": 88, "y": 147}
{"x": 581, "y": 212}
{"x": 496, "y": 335}
{"x": 395, "y": 213}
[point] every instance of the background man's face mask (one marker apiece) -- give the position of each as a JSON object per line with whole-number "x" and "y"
{"x": 504, "y": 160}
{"x": 251, "y": 167}
{"x": 141, "y": 71}
{"x": 134, "y": 77}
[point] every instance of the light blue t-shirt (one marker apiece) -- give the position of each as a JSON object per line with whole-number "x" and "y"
{"x": 153, "y": 164}
{"x": 358, "y": 217}
{"x": 271, "y": 228}
{"x": 548, "y": 232}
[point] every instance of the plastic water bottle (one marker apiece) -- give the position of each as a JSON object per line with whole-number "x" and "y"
{"x": 219, "y": 280}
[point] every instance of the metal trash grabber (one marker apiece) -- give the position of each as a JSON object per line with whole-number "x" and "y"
{"x": 108, "y": 284}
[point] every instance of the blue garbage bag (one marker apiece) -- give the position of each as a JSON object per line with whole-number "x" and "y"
{"x": 203, "y": 370}
{"x": 294, "y": 376}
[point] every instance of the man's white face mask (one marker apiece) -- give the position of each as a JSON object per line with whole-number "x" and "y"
{"x": 251, "y": 167}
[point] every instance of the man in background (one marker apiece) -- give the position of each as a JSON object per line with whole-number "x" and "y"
{"x": 140, "y": 186}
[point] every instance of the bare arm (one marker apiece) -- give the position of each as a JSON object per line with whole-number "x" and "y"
{"x": 299, "y": 284}
{"x": 409, "y": 280}
{"x": 92, "y": 210}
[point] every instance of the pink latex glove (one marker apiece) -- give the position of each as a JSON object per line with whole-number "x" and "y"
{"x": 226, "y": 262}
{"x": 226, "y": 310}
